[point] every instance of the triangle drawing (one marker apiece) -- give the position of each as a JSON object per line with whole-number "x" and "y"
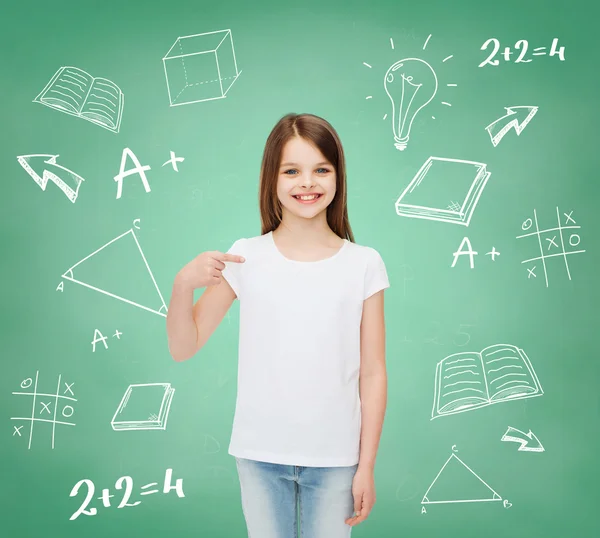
{"x": 458, "y": 483}
{"x": 119, "y": 269}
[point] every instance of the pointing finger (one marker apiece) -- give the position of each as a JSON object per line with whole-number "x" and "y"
{"x": 227, "y": 257}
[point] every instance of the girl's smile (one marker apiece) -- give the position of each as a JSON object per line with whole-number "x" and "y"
{"x": 307, "y": 198}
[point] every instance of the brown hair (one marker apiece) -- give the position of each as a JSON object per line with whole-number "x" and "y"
{"x": 319, "y": 132}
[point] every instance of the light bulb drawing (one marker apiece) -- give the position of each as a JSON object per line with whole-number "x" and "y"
{"x": 411, "y": 84}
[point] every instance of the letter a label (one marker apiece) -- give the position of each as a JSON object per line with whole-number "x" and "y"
{"x": 139, "y": 169}
{"x": 460, "y": 252}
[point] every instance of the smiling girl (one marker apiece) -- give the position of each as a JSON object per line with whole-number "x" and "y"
{"x": 312, "y": 382}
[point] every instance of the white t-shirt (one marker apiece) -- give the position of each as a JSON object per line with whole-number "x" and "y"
{"x": 299, "y": 352}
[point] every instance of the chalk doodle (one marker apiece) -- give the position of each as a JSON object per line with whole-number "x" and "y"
{"x": 99, "y": 337}
{"x": 174, "y": 160}
{"x": 141, "y": 283}
{"x": 469, "y": 380}
{"x": 200, "y": 67}
{"x": 528, "y": 441}
{"x": 551, "y": 242}
{"x": 126, "y": 483}
{"x": 445, "y": 190}
{"x": 410, "y": 85}
{"x": 468, "y": 251}
{"x": 456, "y": 482}
{"x": 75, "y": 92}
{"x": 517, "y": 117}
{"x": 139, "y": 169}
{"x": 66, "y": 180}
{"x": 144, "y": 407}
{"x": 45, "y": 407}
{"x": 521, "y": 46}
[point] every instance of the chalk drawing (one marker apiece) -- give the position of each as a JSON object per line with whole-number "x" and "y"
{"x": 66, "y": 180}
{"x": 200, "y": 67}
{"x": 73, "y": 91}
{"x": 124, "y": 483}
{"x": 528, "y": 441}
{"x": 117, "y": 271}
{"x": 410, "y": 85}
{"x": 551, "y": 242}
{"x": 456, "y": 482}
{"x": 521, "y": 47}
{"x": 516, "y": 116}
{"x": 469, "y": 380}
{"x": 144, "y": 407}
{"x": 45, "y": 407}
{"x": 445, "y": 190}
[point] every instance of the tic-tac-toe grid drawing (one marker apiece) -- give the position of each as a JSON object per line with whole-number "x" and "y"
{"x": 553, "y": 243}
{"x": 42, "y": 411}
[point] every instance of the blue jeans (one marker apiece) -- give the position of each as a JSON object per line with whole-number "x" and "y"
{"x": 275, "y": 498}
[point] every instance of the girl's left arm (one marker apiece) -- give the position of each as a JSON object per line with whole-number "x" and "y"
{"x": 372, "y": 378}
{"x": 373, "y": 396}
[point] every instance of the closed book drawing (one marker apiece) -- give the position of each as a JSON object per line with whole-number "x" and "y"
{"x": 445, "y": 190}
{"x": 144, "y": 407}
{"x": 469, "y": 380}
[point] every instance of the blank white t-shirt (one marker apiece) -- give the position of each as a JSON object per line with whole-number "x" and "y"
{"x": 299, "y": 352}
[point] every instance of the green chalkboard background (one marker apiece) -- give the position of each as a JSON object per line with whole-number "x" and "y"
{"x": 308, "y": 57}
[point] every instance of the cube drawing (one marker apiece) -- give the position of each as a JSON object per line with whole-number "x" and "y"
{"x": 200, "y": 67}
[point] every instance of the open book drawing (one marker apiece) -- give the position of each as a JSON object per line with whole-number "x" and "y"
{"x": 468, "y": 380}
{"x": 445, "y": 190}
{"x": 144, "y": 407}
{"x": 77, "y": 93}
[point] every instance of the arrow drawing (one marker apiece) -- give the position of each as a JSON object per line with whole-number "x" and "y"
{"x": 517, "y": 117}
{"x": 529, "y": 441}
{"x": 66, "y": 180}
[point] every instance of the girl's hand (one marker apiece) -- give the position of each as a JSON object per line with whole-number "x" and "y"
{"x": 363, "y": 491}
{"x": 205, "y": 269}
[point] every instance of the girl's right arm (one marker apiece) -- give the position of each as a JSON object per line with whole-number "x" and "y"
{"x": 189, "y": 325}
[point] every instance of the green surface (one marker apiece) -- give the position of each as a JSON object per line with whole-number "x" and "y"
{"x": 305, "y": 58}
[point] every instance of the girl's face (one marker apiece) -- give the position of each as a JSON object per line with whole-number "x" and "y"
{"x": 303, "y": 171}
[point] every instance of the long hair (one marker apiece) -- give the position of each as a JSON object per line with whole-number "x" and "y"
{"x": 322, "y": 135}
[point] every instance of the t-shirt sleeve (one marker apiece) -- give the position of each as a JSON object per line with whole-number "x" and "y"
{"x": 233, "y": 270}
{"x": 376, "y": 277}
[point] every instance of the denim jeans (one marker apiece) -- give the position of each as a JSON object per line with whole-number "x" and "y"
{"x": 276, "y": 498}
